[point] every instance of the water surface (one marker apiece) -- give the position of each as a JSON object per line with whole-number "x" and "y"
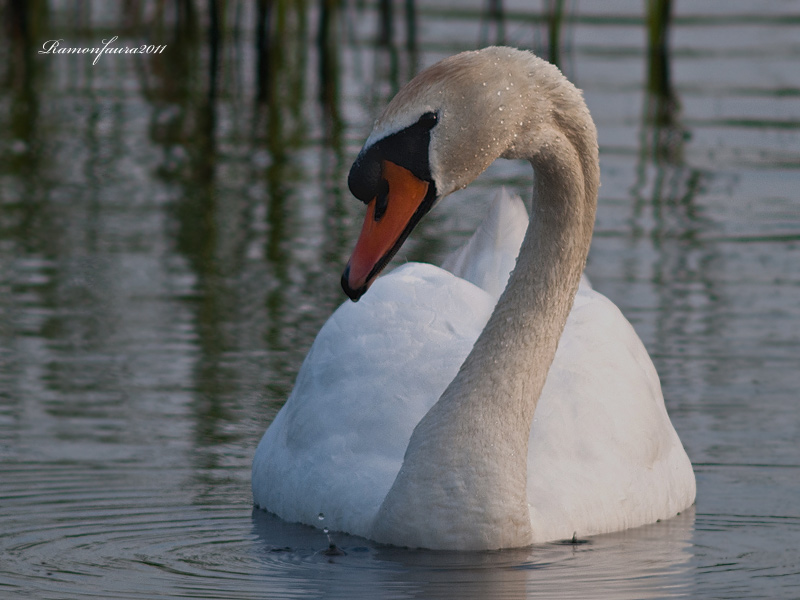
{"x": 173, "y": 228}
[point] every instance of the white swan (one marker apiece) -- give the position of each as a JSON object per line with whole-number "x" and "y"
{"x": 431, "y": 414}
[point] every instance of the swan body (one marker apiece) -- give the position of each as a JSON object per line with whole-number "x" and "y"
{"x": 471, "y": 408}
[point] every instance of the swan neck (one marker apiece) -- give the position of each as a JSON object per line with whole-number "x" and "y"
{"x": 511, "y": 358}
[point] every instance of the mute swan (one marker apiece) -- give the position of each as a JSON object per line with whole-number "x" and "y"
{"x": 433, "y": 414}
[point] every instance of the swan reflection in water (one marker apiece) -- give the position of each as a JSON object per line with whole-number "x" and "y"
{"x": 652, "y": 561}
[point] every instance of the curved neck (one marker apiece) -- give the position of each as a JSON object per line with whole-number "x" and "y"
{"x": 463, "y": 483}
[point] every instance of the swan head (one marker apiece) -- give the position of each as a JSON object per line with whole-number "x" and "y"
{"x": 439, "y": 133}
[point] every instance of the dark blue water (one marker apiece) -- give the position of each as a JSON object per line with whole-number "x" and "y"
{"x": 169, "y": 247}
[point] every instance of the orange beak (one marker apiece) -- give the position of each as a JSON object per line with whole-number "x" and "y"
{"x": 381, "y": 238}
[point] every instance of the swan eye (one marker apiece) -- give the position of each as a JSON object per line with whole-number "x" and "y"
{"x": 381, "y": 199}
{"x": 428, "y": 120}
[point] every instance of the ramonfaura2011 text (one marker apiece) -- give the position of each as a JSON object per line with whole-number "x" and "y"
{"x": 53, "y": 47}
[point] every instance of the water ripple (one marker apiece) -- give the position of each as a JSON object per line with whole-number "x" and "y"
{"x": 105, "y": 532}
{"x": 114, "y": 532}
